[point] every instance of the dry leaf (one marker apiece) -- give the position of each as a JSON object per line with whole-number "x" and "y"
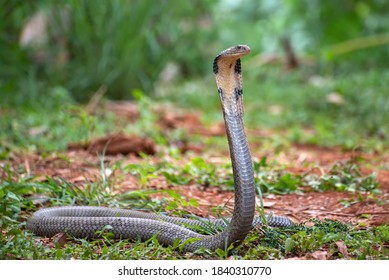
{"x": 39, "y": 199}
{"x": 342, "y": 248}
{"x": 319, "y": 255}
{"x": 61, "y": 239}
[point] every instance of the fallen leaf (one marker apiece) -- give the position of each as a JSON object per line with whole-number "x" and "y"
{"x": 61, "y": 239}
{"x": 342, "y": 248}
{"x": 319, "y": 255}
{"x": 37, "y": 199}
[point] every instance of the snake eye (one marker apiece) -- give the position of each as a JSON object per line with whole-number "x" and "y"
{"x": 242, "y": 49}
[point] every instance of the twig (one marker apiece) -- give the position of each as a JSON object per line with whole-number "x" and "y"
{"x": 94, "y": 101}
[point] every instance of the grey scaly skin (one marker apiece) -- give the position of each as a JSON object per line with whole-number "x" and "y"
{"x": 84, "y": 221}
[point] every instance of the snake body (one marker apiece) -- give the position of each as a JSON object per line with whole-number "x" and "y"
{"x": 85, "y": 221}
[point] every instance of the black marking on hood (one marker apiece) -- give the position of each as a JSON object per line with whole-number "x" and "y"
{"x": 238, "y": 67}
{"x": 221, "y": 93}
{"x": 215, "y": 66}
{"x": 238, "y": 93}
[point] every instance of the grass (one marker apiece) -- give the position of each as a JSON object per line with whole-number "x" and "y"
{"x": 18, "y": 194}
{"x": 303, "y": 116}
{"x": 267, "y": 243}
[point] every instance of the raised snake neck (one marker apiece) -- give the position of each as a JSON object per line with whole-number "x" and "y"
{"x": 84, "y": 221}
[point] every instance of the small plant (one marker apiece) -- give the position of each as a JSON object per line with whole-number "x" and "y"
{"x": 343, "y": 177}
{"x": 144, "y": 171}
{"x": 201, "y": 172}
{"x": 276, "y": 181}
{"x": 178, "y": 202}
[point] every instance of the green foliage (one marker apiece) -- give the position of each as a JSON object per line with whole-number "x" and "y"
{"x": 203, "y": 173}
{"x": 271, "y": 180}
{"x": 298, "y": 106}
{"x": 344, "y": 177}
{"x": 197, "y": 171}
{"x": 50, "y": 125}
{"x": 122, "y": 45}
{"x": 144, "y": 171}
{"x": 341, "y": 177}
{"x": 327, "y": 23}
{"x": 268, "y": 243}
{"x": 308, "y": 104}
{"x": 327, "y": 232}
{"x": 302, "y": 240}
{"x": 10, "y": 204}
{"x": 342, "y": 35}
{"x": 105, "y": 52}
{"x": 145, "y": 125}
{"x": 178, "y": 202}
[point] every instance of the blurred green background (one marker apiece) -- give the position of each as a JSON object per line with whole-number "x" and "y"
{"x": 315, "y": 65}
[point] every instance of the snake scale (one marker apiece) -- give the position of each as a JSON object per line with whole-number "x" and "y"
{"x": 85, "y": 221}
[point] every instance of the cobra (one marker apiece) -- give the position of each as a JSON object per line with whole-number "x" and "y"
{"x": 85, "y": 221}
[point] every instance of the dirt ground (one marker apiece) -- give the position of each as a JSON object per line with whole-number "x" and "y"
{"x": 81, "y": 165}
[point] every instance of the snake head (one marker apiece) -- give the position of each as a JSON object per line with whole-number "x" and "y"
{"x": 229, "y": 56}
{"x": 236, "y": 51}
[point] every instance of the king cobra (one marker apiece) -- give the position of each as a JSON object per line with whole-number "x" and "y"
{"x": 85, "y": 221}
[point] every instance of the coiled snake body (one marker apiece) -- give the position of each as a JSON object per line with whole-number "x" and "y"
{"x": 84, "y": 221}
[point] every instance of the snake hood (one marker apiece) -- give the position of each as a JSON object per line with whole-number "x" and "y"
{"x": 228, "y": 76}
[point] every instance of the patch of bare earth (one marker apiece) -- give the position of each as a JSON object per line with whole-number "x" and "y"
{"x": 363, "y": 209}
